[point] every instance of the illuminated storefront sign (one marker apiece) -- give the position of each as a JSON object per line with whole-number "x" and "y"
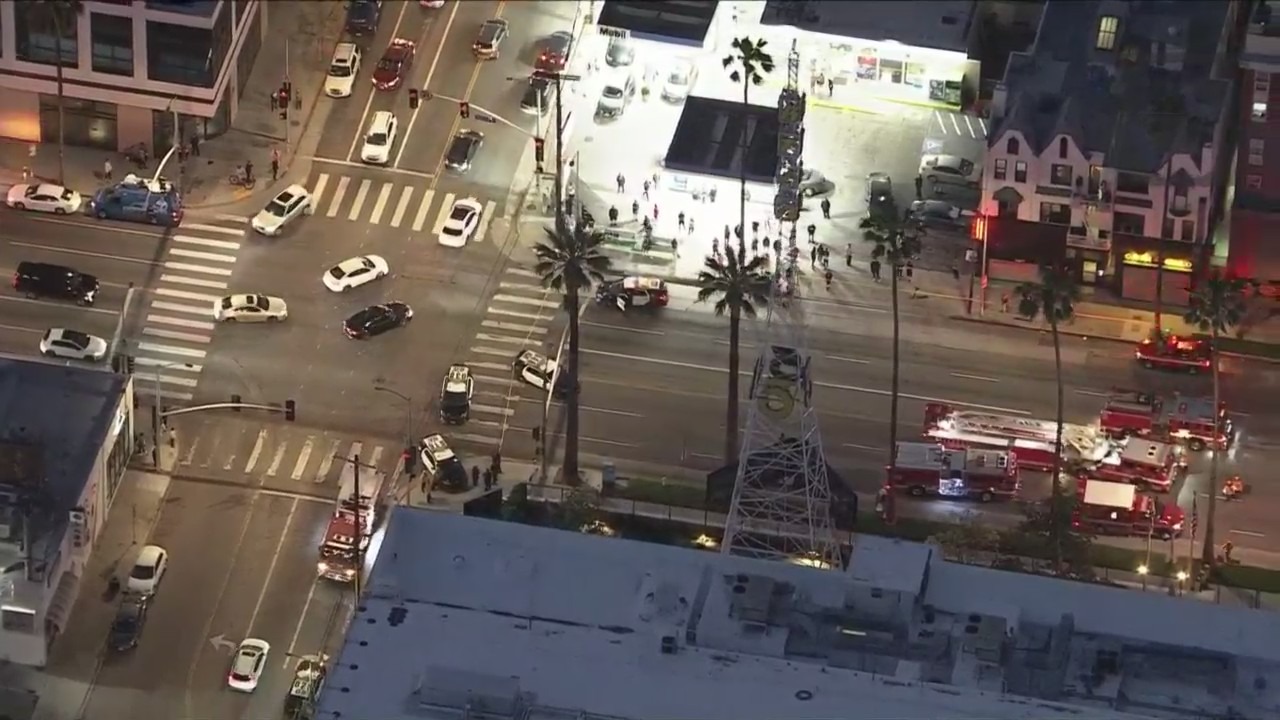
{"x": 1148, "y": 260}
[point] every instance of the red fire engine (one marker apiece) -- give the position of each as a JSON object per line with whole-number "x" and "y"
{"x": 1183, "y": 419}
{"x": 352, "y": 525}
{"x": 931, "y": 469}
{"x": 1109, "y": 508}
{"x": 1030, "y": 440}
{"x": 1145, "y": 463}
{"x": 1170, "y": 352}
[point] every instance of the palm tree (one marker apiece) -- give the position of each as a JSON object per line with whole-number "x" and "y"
{"x": 739, "y": 286}
{"x": 896, "y": 242}
{"x": 1216, "y": 306}
{"x": 55, "y": 17}
{"x": 1054, "y": 298}
{"x": 750, "y": 64}
{"x": 570, "y": 262}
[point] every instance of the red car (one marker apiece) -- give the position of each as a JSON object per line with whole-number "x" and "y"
{"x": 394, "y": 65}
{"x": 553, "y": 52}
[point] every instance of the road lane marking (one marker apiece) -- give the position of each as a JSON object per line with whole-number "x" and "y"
{"x": 516, "y": 313}
{"x": 405, "y": 196}
{"x": 237, "y": 232}
{"x": 376, "y": 457}
{"x": 856, "y": 446}
{"x": 446, "y": 206}
{"x": 171, "y": 350}
{"x": 526, "y": 301}
{"x": 833, "y": 386}
{"x": 426, "y": 83}
{"x": 200, "y": 255}
{"x": 205, "y": 242}
{"x": 166, "y": 394}
{"x": 53, "y": 304}
{"x": 84, "y": 253}
{"x": 195, "y": 282}
{"x": 152, "y": 362}
{"x": 19, "y": 328}
{"x": 486, "y": 337}
{"x": 380, "y": 205}
{"x": 175, "y": 307}
{"x": 176, "y": 335}
{"x": 276, "y": 459}
{"x": 521, "y": 285}
{"x": 516, "y": 327}
{"x": 620, "y": 328}
{"x": 474, "y": 438}
{"x": 421, "y": 218}
{"x": 358, "y": 204}
{"x": 491, "y": 351}
{"x": 353, "y": 453}
{"x": 486, "y": 217}
{"x": 188, "y": 267}
{"x": 303, "y": 456}
{"x": 602, "y": 441}
{"x": 180, "y": 322}
{"x": 174, "y": 380}
{"x": 321, "y": 181}
{"x": 1092, "y": 393}
{"x": 302, "y": 617}
{"x": 982, "y": 378}
{"x": 326, "y": 462}
{"x": 490, "y": 366}
{"x": 524, "y": 273}
{"x": 185, "y": 295}
{"x": 1249, "y": 533}
{"x": 338, "y": 193}
{"x": 257, "y": 451}
{"x": 271, "y": 568}
{"x": 584, "y": 408}
{"x": 495, "y": 380}
{"x": 855, "y": 361}
{"x": 493, "y": 410}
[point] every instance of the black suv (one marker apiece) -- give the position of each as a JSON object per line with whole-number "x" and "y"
{"x": 463, "y": 149}
{"x": 36, "y": 280}
{"x": 126, "y": 629}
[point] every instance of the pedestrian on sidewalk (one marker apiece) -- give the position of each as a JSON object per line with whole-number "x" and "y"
{"x": 712, "y": 193}
{"x": 831, "y": 87}
{"x": 777, "y": 247}
{"x": 813, "y": 256}
{"x": 726, "y": 234}
{"x": 848, "y": 255}
{"x": 655, "y": 179}
{"x": 910, "y": 270}
{"x": 275, "y": 163}
{"x": 488, "y": 480}
{"x": 875, "y": 270}
{"x": 826, "y": 261}
{"x": 272, "y": 100}
{"x": 635, "y": 209}
{"x": 680, "y": 220}
{"x": 755, "y": 230}
{"x": 645, "y": 194}
{"x": 182, "y": 152}
{"x": 195, "y": 144}
{"x": 622, "y": 183}
{"x": 495, "y": 463}
{"x": 826, "y": 208}
{"x": 691, "y": 225}
{"x": 655, "y": 212}
{"x": 755, "y": 246}
{"x": 955, "y": 272}
{"x": 813, "y": 231}
{"x": 919, "y": 187}
{"x": 107, "y": 170}
{"x": 827, "y": 276}
{"x": 248, "y": 171}
{"x": 675, "y": 249}
{"x": 1004, "y": 302}
{"x": 715, "y": 246}
{"x": 613, "y": 214}
{"x": 475, "y": 476}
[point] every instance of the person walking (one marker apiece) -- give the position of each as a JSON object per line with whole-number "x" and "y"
{"x": 195, "y": 144}
{"x": 655, "y": 212}
{"x": 488, "y": 480}
{"x": 831, "y": 87}
{"x": 675, "y": 248}
{"x": 813, "y": 231}
{"x": 919, "y": 187}
{"x": 712, "y": 194}
{"x": 475, "y": 476}
{"x": 635, "y": 209}
{"x": 613, "y": 214}
{"x": 107, "y": 170}
{"x": 827, "y": 276}
{"x": 622, "y": 183}
{"x": 645, "y": 191}
{"x": 726, "y": 234}
{"x": 690, "y": 224}
{"x": 848, "y": 255}
{"x": 680, "y": 220}
{"x": 1004, "y": 302}
{"x": 275, "y": 164}
{"x": 755, "y": 230}
{"x": 875, "y": 270}
{"x": 826, "y": 208}
{"x": 910, "y": 270}
{"x": 813, "y": 256}
{"x": 248, "y": 171}
{"x": 755, "y": 246}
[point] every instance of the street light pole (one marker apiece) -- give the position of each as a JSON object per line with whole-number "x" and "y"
{"x": 158, "y": 409}
{"x": 408, "y": 411}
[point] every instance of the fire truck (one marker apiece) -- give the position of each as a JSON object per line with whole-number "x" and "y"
{"x": 1030, "y": 440}
{"x": 932, "y": 469}
{"x": 1147, "y": 464}
{"x": 1110, "y": 508}
{"x": 1182, "y": 419}
{"x": 1171, "y": 352}
{"x": 350, "y": 529}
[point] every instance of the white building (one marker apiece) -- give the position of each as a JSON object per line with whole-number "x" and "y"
{"x": 1111, "y": 127}
{"x": 127, "y": 66}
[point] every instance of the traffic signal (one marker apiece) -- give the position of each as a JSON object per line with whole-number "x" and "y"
{"x": 290, "y": 410}
{"x": 413, "y": 99}
{"x": 464, "y": 109}
{"x": 539, "y": 150}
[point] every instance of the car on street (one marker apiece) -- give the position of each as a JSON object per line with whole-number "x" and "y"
{"x": 879, "y": 193}
{"x": 37, "y": 280}
{"x": 461, "y": 225}
{"x": 431, "y": 3}
{"x": 354, "y": 272}
{"x": 616, "y": 94}
{"x": 938, "y": 213}
{"x": 363, "y": 16}
{"x": 377, "y": 319}
{"x": 247, "y": 664}
{"x": 308, "y": 681}
{"x": 292, "y": 203}
{"x": 488, "y": 42}
{"x": 250, "y": 307}
{"x": 380, "y": 138}
{"x": 951, "y": 169}
{"x": 455, "y": 395}
{"x": 394, "y": 65}
{"x": 813, "y": 183}
{"x": 537, "y": 96}
{"x": 679, "y": 81}
{"x": 70, "y": 344}
{"x": 442, "y": 464}
{"x": 620, "y": 53}
{"x": 148, "y": 570}
{"x": 45, "y": 197}
{"x": 553, "y": 51}
{"x": 536, "y": 369}
{"x": 462, "y": 150}
{"x": 1168, "y": 351}
{"x": 343, "y": 69}
{"x": 634, "y": 292}
{"x": 138, "y": 199}
{"x": 126, "y": 627}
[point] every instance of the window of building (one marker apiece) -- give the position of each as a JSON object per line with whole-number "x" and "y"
{"x": 1129, "y": 223}
{"x": 1020, "y": 171}
{"x": 1261, "y": 82}
{"x": 200, "y": 8}
{"x": 1002, "y": 168}
{"x": 1133, "y": 183}
{"x": 1062, "y": 148}
{"x": 1108, "y": 28}
{"x": 182, "y": 54}
{"x": 1166, "y": 228}
{"x": 1060, "y": 174}
{"x": 1253, "y": 182}
{"x": 1011, "y": 146}
{"x": 112, "y": 40}
{"x": 1257, "y": 149}
{"x": 1189, "y": 230}
{"x": 1055, "y": 213}
{"x": 249, "y": 49}
{"x": 1261, "y": 95}
{"x": 1259, "y": 112}
{"x": 37, "y": 37}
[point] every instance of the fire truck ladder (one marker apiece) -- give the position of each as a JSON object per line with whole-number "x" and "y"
{"x": 1004, "y": 426}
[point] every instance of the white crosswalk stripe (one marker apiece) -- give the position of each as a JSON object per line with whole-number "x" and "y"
{"x": 391, "y": 202}
{"x": 443, "y": 216}
{"x": 405, "y": 196}
{"x": 206, "y": 242}
{"x": 421, "y": 218}
{"x": 203, "y": 269}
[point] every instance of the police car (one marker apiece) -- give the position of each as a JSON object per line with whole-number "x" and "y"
{"x": 538, "y": 370}
{"x": 455, "y": 395}
{"x": 442, "y": 464}
{"x": 633, "y": 292}
{"x": 308, "y": 680}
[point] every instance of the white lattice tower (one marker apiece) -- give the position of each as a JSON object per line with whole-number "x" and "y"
{"x": 782, "y": 501}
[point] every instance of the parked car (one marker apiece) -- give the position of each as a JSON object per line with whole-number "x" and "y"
{"x": 951, "y": 169}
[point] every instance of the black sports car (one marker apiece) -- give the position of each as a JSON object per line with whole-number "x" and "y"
{"x": 377, "y": 319}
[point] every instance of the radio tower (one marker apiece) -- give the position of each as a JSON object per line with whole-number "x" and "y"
{"x": 781, "y": 498}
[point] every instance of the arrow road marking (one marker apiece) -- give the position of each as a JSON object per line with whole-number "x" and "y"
{"x": 220, "y": 642}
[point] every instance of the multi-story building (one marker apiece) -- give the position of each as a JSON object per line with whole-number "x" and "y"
{"x": 1107, "y": 145}
{"x": 1254, "y": 243}
{"x": 128, "y": 66}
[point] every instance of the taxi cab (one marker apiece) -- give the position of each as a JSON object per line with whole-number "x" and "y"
{"x": 633, "y": 292}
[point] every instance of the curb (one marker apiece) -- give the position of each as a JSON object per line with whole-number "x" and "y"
{"x": 1019, "y": 326}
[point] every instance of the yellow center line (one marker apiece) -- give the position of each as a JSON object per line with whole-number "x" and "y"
{"x": 466, "y": 97}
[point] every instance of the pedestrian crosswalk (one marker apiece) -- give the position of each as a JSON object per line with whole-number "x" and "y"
{"x": 378, "y": 202}
{"x": 177, "y": 324}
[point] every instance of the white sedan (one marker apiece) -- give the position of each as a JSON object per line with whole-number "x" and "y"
{"x": 292, "y": 202}
{"x": 45, "y": 198}
{"x": 355, "y": 272}
{"x": 73, "y": 345}
{"x": 247, "y": 665}
{"x": 250, "y": 308}
{"x": 461, "y": 224}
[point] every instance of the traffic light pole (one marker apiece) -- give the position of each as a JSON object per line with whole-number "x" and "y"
{"x": 466, "y": 107}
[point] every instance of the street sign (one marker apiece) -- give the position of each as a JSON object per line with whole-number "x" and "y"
{"x": 614, "y": 32}
{"x": 483, "y": 117}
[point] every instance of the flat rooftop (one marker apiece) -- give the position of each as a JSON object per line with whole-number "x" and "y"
{"x": 481, "y": 618}
{"x": 682, "y": 22}
{"x": 935, "y": 24}
{"x": 717, "y": 137}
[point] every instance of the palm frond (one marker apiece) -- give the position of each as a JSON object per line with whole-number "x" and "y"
{"x": 1218, "y": 304}
{"x": 732, "y": 282}
{"x": 571, "y": 261}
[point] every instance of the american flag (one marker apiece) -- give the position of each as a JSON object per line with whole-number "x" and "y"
{"x": 1195, "y": 518}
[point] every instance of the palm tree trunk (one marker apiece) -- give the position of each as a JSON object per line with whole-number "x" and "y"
{"x": 742, "y": 186}
{"x": 1055, "y": 497}
{"x": 893, "y": 383}
{"x": 1207, "y": 555}
{"x": 57, "y": 39}
{"x": 569, "y": 472}
{"x": 731, "y": 407}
